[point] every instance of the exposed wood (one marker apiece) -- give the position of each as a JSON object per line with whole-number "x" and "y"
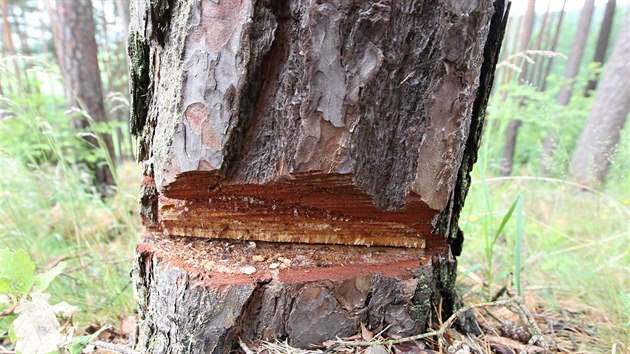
{"x": 199, "y": 296}
{"x": 347, "y": 114}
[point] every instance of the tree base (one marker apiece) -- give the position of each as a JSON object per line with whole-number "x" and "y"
{"x": 199, "y": 295}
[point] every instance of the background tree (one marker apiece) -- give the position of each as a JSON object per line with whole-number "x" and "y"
{"x": 76, "y": 44}
{"x": 7, "y": 43}
{"x": 556, "y": 39}
{"x": 602, "y": 43}
{"x": 566, "y": 90}
{"x": 511, "y": 132}
{"x": 600, "y": 136}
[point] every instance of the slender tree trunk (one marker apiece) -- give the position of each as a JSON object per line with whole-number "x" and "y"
{"x": 547, "y": 44}
{"x": 602, "y": 42}
{"x": 600, "y": 136}
{"x": 122, "y": 7}
{"x": 306, "y": 129}
{"x": 8, "y": 44}
{"x": 539, "y": 45}
{"x": 566, "y": 90}
{"x": 76, "y": 44}
{"x": 554, "y": 47}
{"x": 29, "y": 85}
{"x": 525, "y": 36}
{"x": 107, "y": 63}
{"x": 511, "y": 132}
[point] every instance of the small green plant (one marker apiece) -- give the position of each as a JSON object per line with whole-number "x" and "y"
{"x": 18, "y": 277}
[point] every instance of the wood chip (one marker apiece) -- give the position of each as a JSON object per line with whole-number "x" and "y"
{"x": 274, "y": 265}
{"x": 258, "y": 258}
{"x": 248, "y": 270}
{"x": 208, "y": 265}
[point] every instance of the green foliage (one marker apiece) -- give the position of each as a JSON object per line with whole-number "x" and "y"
{"x": 17, "y": 273}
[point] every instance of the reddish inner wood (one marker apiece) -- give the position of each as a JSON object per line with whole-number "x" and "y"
{"x": 222, "y": 262}
{"x": 309, "y": 208}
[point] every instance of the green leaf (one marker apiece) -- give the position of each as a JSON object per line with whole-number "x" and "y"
{"x": 12, "y": 336}
{"x": 17, "y": 272}
{"x": 505, "y": 220}
{"x": 79, "y": 343}
{"x": 43, "y": 280}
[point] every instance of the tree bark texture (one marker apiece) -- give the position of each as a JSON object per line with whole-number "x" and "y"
{"x": 609, "y": 113}
{"x": 77, "y": 54}
{"x": 602, "y": 42}
{"x": 332, "y": 122}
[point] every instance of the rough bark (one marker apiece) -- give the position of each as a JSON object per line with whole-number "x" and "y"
{"x": 202, "y": 295}
{"x": 348, "y": 123}
{"x": 566, "y": 90}
{"x": 600, "y": 136}
{"x": 77, "y": 53}
{"x": 602, "y": 43}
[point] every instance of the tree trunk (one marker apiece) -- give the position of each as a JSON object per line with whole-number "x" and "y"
{"x": 76, "y": 45}
{"x": 600, "y": 136}
{"x": 511, "y": 132}
{"x": 9, "y": 48}
{"x": 539, "y": 45}
{"x": 525, "y": 36}
{"x": 602, "y": 43}
{"x": 262, "y": 125}
{"x": 573, "y": 67}
{"x": 554, "y": 47}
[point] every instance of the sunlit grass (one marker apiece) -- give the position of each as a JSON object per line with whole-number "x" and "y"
{"x": 574, "y": 252}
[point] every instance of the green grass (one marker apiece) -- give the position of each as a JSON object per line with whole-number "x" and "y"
{"x": 49, "y": 207}
{"x": 567, "y": 247}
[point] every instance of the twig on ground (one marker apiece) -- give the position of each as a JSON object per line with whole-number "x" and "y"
{"x": 512, "y": 302}
{"x": 114, "y": 347}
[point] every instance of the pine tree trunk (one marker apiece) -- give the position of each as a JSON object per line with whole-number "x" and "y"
{"x": 554, "y": 47}
{"x": 542, "y": 31}
{"x": 600, "y": 136}
{"x": 76, "y": 45}
{"x": 7, "y": 43}
{"x": 566, "y": 90}
{"x": 278, "y": 138}
{"x": 602, "y": 42}
{"x": 511, "y": 132}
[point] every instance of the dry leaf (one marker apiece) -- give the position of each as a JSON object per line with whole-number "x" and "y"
{"x": 366, "y": 334}
{"x": 37, "y": 329}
